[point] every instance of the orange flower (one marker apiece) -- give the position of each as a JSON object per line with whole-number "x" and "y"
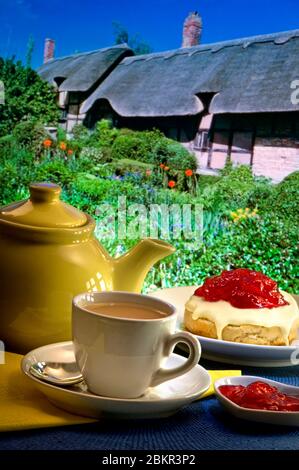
{"x": 171, "y": 184}
{"x": 70, "y": 152}
{"x": 166, "y": 168}
{"x": 188, "y": 172}
{"x": 162, "y": 165}
{"x": 47, "y": 143}
{"x": 148, "y": 172}
{"x": 62, "y": 146}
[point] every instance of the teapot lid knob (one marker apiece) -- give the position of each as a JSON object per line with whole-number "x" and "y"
{"x": 43, "y": 209}
{"x": 44, "y": 192}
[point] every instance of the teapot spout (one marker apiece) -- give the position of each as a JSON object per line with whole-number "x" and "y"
{"x": 131, "y": 269}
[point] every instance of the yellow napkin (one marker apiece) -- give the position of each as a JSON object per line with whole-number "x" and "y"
{"x": 218, "y": 374}
{"x": 24, "y": 407}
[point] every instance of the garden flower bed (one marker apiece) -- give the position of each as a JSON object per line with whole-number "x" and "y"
{"x": 247, "y": 221}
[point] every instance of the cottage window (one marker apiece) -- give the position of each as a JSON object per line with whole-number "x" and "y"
{"x": 242, "y": 142}
{"x": 74, "y": 98}
{"x": 219, "y": 149}
{"x": 63, "y": 115}
{"x": 202, "y": 141}
{"x": 241, "y": 150}
{"x": 74, "y": 103}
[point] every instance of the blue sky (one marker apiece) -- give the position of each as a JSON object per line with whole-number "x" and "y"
{"x": 87, "y": 24}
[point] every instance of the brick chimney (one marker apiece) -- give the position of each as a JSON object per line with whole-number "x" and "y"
{"x": 192, "y": 30}
{"x": 49, "y": 50}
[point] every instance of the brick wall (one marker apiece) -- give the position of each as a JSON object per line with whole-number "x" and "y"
{"x": 275, "y": 158}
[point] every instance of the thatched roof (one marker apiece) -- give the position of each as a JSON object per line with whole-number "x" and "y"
{"x": 80, "y": 72}
{"x": 247, "y": 75}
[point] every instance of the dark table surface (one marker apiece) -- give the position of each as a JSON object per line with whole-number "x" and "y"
{"x": 203, "y": 425}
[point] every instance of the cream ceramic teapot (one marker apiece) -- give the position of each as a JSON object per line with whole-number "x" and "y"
{"x": 48, "y": 255}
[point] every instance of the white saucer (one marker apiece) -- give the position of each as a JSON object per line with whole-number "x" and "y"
{"x": 163, "y": 400}
{"x": 226, "y": 351}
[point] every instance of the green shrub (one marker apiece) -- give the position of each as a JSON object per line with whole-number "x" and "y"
{"x": 27, "y": 96}
{"x": 104, "y": 134}
{"x": 80, "y": 137}
{"x": 128, "y": 147}
{"x": 30, "y": 134}
{"x": 175, "y": 155}
{"x": 149, "y": 147}
{"x": 101, "y": 138}
{"x": 93, "y": 155}
{"x": 284, "y": 198}
{"x": 90, "y": 160}
{"x": 152, "y": 147}
{"x": 9, "y": 182}
{"x": 80, "y": 132}
{"x": 103, "y": 170}
{"x": 231, "y": 192}
{"x": 7, "y": 143}
{"x": 16, "y": 169}
{"x": 54, "y": 170}
{"x": 207, "y": 180}
{"x": 23, "y": 160}
{"x": 228, "y": 167}
{"x": 125, "y": 131}
{"x": 260, "y": 194}
{"x": 127, "y": 165}
{"x": 260, "y": 244}
{"x": 164, "y": 196}
{"x": 149, "y": 143}
{"x": 241, "y": 173}
{"x": 107, "y": 190}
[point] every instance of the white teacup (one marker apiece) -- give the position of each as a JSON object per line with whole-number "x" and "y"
{"x": 122, "y": 357}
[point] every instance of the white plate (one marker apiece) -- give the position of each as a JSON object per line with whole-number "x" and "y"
{"x": 227, "y": 351}
{"x": 160, "y": 401}
{"x": 285, "y": 418}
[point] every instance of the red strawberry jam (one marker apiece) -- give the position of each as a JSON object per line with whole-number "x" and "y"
{"x": 242, "y": 288}
{"x": 260, "y": 396}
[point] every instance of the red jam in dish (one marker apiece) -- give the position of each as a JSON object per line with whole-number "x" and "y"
{"x": 242, "y": 288}
{"x": 260, "y": 396}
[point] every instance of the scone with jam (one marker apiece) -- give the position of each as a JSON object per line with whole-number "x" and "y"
{"x": 243, "y": 306}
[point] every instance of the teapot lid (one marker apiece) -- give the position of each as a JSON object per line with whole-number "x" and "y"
{"x": 43, "y": 209}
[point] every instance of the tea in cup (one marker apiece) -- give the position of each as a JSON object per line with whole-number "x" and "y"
{"x": 121, "y": 341}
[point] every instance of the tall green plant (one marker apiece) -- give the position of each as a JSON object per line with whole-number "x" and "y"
{"x": 27, "y": 96}
{"x": 122, "y": 36}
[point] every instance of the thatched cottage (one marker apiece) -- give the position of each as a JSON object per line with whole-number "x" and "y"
{"x": 230, "y": 100}
{"x": 77, "y": 76}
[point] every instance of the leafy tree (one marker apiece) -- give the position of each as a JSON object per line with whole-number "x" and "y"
{"x": 27, "y": 97}
{"x": 29, "y": 52}
{"x": 122, "y": 36}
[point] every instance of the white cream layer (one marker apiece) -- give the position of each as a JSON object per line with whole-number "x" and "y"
{"x": 222, "y": 313}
